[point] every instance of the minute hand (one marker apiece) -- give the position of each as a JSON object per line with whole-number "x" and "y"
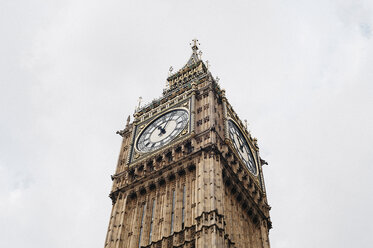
{"x": 165, "y": 125}
{"x": 241, "y": 143}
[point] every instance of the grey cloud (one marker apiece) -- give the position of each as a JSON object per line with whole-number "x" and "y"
{"x": 298, "y": 71}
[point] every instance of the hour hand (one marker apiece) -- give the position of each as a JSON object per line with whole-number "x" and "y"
{"x": 241, "y": 146}
{"x": 162, "y": 130}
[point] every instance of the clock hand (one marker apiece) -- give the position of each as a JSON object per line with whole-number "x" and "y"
{"x": 239, "y": 141}
{"x": 162, "y": 131}
{"x": 172, "y": 115}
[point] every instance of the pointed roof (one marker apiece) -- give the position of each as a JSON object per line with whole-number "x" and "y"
{"x": 194, "y": 61}
{"x": 194, "y": 58}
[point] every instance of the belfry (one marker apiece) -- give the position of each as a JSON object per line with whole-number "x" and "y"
{"x": 189, "y": 172}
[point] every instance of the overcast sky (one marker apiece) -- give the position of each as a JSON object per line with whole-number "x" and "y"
{"x": 300, "y": 72}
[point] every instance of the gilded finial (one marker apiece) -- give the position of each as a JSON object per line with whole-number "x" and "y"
{"x": 170, "y": 71}
{"x": 128, "y": 121}
{"x": 140, "y": 99}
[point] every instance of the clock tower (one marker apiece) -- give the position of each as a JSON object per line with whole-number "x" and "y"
{"x": 189, "y": 172}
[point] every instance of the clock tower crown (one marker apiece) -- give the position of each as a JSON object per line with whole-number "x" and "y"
{"x": 193, "y": 62}
{"x": 189, "y": 173}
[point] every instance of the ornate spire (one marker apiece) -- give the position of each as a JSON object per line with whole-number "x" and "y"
{"x": 194, "y": 61}
{"x": 194, "y": 57}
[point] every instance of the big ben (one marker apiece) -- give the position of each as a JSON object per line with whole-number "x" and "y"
{"x": 189, "y": 173}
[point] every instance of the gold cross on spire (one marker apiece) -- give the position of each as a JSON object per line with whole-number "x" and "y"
{"x": 195, "y": 47}
{"x": 195, "y": 42}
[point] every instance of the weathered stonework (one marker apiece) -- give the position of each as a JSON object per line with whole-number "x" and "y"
{"x": 194, "y": 191}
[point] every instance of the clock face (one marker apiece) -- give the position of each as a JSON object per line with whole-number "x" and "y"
{"x": 162, "y": 130}
{"x": 241, "y": 146}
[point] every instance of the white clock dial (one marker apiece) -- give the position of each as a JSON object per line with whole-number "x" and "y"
{"x": 242, "y": 147}
{"x": 162, "y": 130}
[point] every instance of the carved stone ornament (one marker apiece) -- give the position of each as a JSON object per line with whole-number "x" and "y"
{"x": 136, "y": 155}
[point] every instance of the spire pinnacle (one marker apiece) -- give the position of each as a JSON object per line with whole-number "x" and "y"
{"x": 128, "y": 121}
{"x": 195, "y": 55}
